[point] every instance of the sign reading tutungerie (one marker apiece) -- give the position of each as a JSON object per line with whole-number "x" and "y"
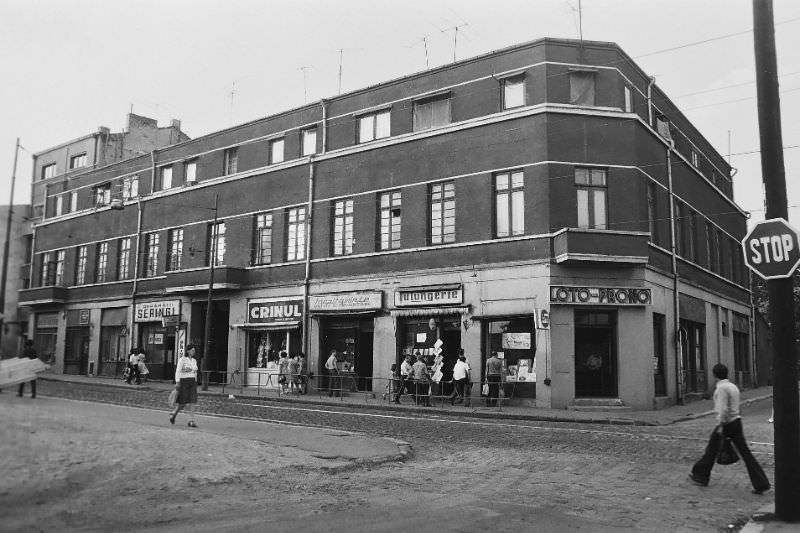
{"x": 563, "y": 294}
{"x": 433, "y": 296}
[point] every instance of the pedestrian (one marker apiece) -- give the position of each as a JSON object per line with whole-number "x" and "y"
{"x": 332, "y": 369}
{"x": 494, "y": 373}
{"x": 143, "y": 370}
{"x": 186, "y": 385}
{"x": 300, "y": 376}
{"x": 283, "y": 371}
{"x": 461, "y": 377}
{"x": 729, "y": 425}
{"x": 133, "y": 366}
{"x": 294, "y": 375}
{"x": 30, "y": 353}
{"x": 405, "y": 376}
{"x": 422, "y": 381}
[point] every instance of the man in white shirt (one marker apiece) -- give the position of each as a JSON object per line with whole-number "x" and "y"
{"x": 405, "y": 374}
{"x": 461, "y": 377}
{"x": 133, "y": 365}
{"x": 333, "y": 371}
{"x": 729, "y": 425}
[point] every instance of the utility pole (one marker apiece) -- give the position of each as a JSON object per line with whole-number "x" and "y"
{"x": 211, "y": 263}
{"x": 9, "y": 220}
{"x": 781, "y": 308}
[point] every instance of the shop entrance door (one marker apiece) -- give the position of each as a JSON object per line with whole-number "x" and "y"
{"x": 595, "y": 354}
{"x": 76, "y": 351}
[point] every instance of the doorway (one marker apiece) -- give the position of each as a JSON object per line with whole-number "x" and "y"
{"x": 595, "y": 354}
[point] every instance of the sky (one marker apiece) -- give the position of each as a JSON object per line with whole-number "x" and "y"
{"x": 70, "y": 66}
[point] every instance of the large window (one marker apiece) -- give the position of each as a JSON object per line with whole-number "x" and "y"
{"x": 343, "y": 227}
{"x": 59, "y": 268}
{"x": 374, "y": 126}
{"x": 48, "y": 171}
{"x": 581, "y": 88}
{"x": 263, "y": 239}
{"x": 101, "y": 263}
{"x": 216, "y": 244}
{"x": 130, "y": 187}
{"x": 443, "y": 213}
{"x": 296, "y": 234}
{"x": 165, "y": 179}
{"x": 190, "y": 172}
{"x": 390, "y": 220}
{"x": 628, "y": 99}
{"x": 276, "y": 151}
{"x": 691, "y": 233}
{"x": 102, "y": 195}
{"x": 432, "y": 113}
{"x": 230, "y": 163}
{"x": 308, "y": 141}
{"x": 80, "y": 265}
{"x": 59, "y": 204}
{"x": 77, "y": 161}
{"x": 73, "y": 201}
{"x": 175, "y": 246}
{"x": 152, "y": 242}
{"x": 514, "y": 92}
{"x": 123, "y": 265}
{"x": 591, "y": 189}
{"x": 515, "y": 338}
{"x": 47, "y": 268}
{"x": 509, "y": 204}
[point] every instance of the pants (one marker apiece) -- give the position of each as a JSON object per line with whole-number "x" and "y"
{"x": 22, "y": 388}
{"x": 702, "y": 468}
{"x": 134, "y": 373}
{"x": 402, "y": 386}
{"x": 494, "y": 389}
{"x": 333, "y": 383}
{"x": 458, "y": 389}
{"x": 421, "y": 389}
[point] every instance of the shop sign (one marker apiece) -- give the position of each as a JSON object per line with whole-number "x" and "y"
{"x": 561, "y": 294}
{"x": 346, "y": 301}
{"x": 542, "y": 318}
{"x": 155, "y": 311}
{"x": 46, "y": 320}
{"x": 271, "y": 311}
{"x": 424, "y": 297}
{"x": 83, "y": 317}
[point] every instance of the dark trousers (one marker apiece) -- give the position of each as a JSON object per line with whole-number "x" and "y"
{"x": 134, "y": 374}
{"x": 402, "y": 386}
{"x": 22, "y": 389}
{"x": 494, "y": 389}
{"x": 333, "y": 383}
{"x": 702, "y": 468}
{"x": 421, "y": 389}
{"x": 458, "y": 390}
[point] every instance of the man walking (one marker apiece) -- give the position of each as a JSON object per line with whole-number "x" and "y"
{"x": 460, "y": 378}
{"x": 405, "y": 376}
{"x": 729, "y": 425}
{"x": 133, "y": 365}
{"x": 494, "y": 371}
{"x": 30, "y": 353}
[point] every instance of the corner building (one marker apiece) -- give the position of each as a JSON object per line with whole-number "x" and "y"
{"x": 546, "y": 201}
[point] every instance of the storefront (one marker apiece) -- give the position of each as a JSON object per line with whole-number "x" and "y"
{"x": 514, "y": 340}
{"x": 113, "y": 341}
{"x": 347, "y": 325}
{"x": 428, "y": 322}
{"x": 274, "y": 325}
{"x": 76, "y": 344}
{"x": 157, "y": 336}
{"x": 45, "y": 335}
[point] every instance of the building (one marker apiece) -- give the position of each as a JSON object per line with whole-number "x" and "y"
{"x": 546, "y": 201}
{"x": 14, "y": 322}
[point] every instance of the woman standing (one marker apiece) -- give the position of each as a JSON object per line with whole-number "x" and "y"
{"x": 186, "y": 385}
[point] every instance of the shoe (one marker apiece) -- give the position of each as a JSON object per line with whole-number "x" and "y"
{"x": 760, "y": 491}
{"x": 171, "y": 419}
{"x": 697, "y": 480}
{"x": 191, "y": 424}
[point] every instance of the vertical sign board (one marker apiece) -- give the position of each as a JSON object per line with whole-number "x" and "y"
{"x": 772, "y": 249}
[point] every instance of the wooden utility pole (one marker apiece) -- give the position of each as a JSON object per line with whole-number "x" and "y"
{"x": 6, "y": 244}
{"x": 781, "y": 304}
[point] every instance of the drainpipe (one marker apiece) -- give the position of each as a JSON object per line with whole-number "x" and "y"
{"x": 134, "y": 286}
{"x": 650, "y": 100}
{"x": 306, "y": 279}
{"x": 679, "y": 385}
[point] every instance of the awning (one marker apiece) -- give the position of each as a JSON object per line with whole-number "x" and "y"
{"x": 289, "y": 324}
{"x": 344, "y": 313}
{"x": 430, "y": 311}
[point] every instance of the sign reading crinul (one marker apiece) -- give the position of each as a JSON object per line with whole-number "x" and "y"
{"x": 563, "y": 294}
{"x": 270, "y": 311}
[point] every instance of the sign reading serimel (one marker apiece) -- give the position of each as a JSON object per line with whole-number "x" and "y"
{"x": 560, "y": 294}
{"x": 772, "y": 249}
{"x": 155, "y": 311}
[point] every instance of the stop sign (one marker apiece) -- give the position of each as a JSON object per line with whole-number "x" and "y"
{"x": 772, "y": 249}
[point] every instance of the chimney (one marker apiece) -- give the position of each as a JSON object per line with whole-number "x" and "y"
{"x": 175, "y": 123}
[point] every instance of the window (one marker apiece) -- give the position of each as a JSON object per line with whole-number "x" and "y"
{"x": 48, "y": 171}
{"x": 509, "y": 202}
{"x": 581, "y": 88}
{"x": 692, "y": 335}
{"x": 77, "y": 161}
{"x": 59, "y": 204}
{"x": 296, "y": 242}
{"x": 59, "y": 268}
{"x": 47, "y": 268}
{"x": 123, "y": 266}
{"x": 165, "y": 179}
{"x": 513, "y": 92}
{"x": 276, "y": 154}
{"x": 102, "y": 262}
{"x": 175, "y": 247}
{"x": 591, "y": 189}
{"x": 694, "y": 159}
{"x": 102, "y": 195}
{"x": 391, "y": 218}
{"x": 230, "y": 163}
{"x": 431, "y": 113}
{"x": 652, "y": 212}
{"x": 151, "y": 242}
{"x": 443, "y": 212}
{"x": 73, "y": 201}
{"x": 263, "y": 237}
{"x": 80, "y": 265}
{"x": 659, "y": 353}
{"x": 309, "y": 141}
{"x": 663, "y": 127}
{"x": 216, "y": 244}
{"x": 343, "y": 227}
{"x": 130, "y": 187}
{"x": 711, "y": 250}
{"x": 190, "y": 172}
{"x": 628, "y": 99}
{"x": 691, "y": 234}
{"x": 374, "y": 126}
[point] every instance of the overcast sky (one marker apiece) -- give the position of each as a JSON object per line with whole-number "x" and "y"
{"x": 69, "y": 66}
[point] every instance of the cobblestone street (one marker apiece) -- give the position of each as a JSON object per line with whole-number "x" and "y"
{"x": 466, "y": 474}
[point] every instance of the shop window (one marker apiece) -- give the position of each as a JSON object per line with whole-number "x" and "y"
{"x": 296, "y": 233}
{"x": 374, "y": 126}
{"x": 432, "y": 113}
{"x": 343, "y": 227}
{"x": 264, "y": 347}
{"x": 101, "y": 263}
{"x": 123, "y": 265}
{"x": 591, "y": 187}
{"x": 443, "y": 212}
{"x": 514, "y": 340}
{"x": 509, "y": 201}
{"x": 390, "y": 220}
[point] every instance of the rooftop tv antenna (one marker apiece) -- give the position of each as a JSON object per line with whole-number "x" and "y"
{"x": 455, "y": 37}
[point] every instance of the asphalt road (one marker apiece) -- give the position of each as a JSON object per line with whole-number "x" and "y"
{"x": 466, "y": 474}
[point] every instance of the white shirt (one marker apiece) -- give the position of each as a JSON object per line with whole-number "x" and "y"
{"x": 186, "y": 368}
{"x": 461, "y": 370}
{"x": 133, "y": 359}
{"x": 405, "y": 368}
{"x": 330, "y": 364}
{"x": 726, "y": 401}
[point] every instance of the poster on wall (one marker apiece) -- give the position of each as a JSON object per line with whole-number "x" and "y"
{"x": 158, "y": 338}
{"x": 516, "y": 341}
{"x": 181, "y": 342}
{"x": 525, "y": 370}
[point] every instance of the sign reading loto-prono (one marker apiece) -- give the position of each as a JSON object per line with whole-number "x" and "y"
{"x": 772, "y": 249}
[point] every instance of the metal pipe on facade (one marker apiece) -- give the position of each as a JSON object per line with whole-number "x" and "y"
{"x": 212, "y": 259}
{"x": 650, "y": 100}
{"x": 307, "y": 277}
{"x": 679, "y": 385}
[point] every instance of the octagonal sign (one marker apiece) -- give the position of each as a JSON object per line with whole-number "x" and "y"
{"x": 772, "y": 249}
